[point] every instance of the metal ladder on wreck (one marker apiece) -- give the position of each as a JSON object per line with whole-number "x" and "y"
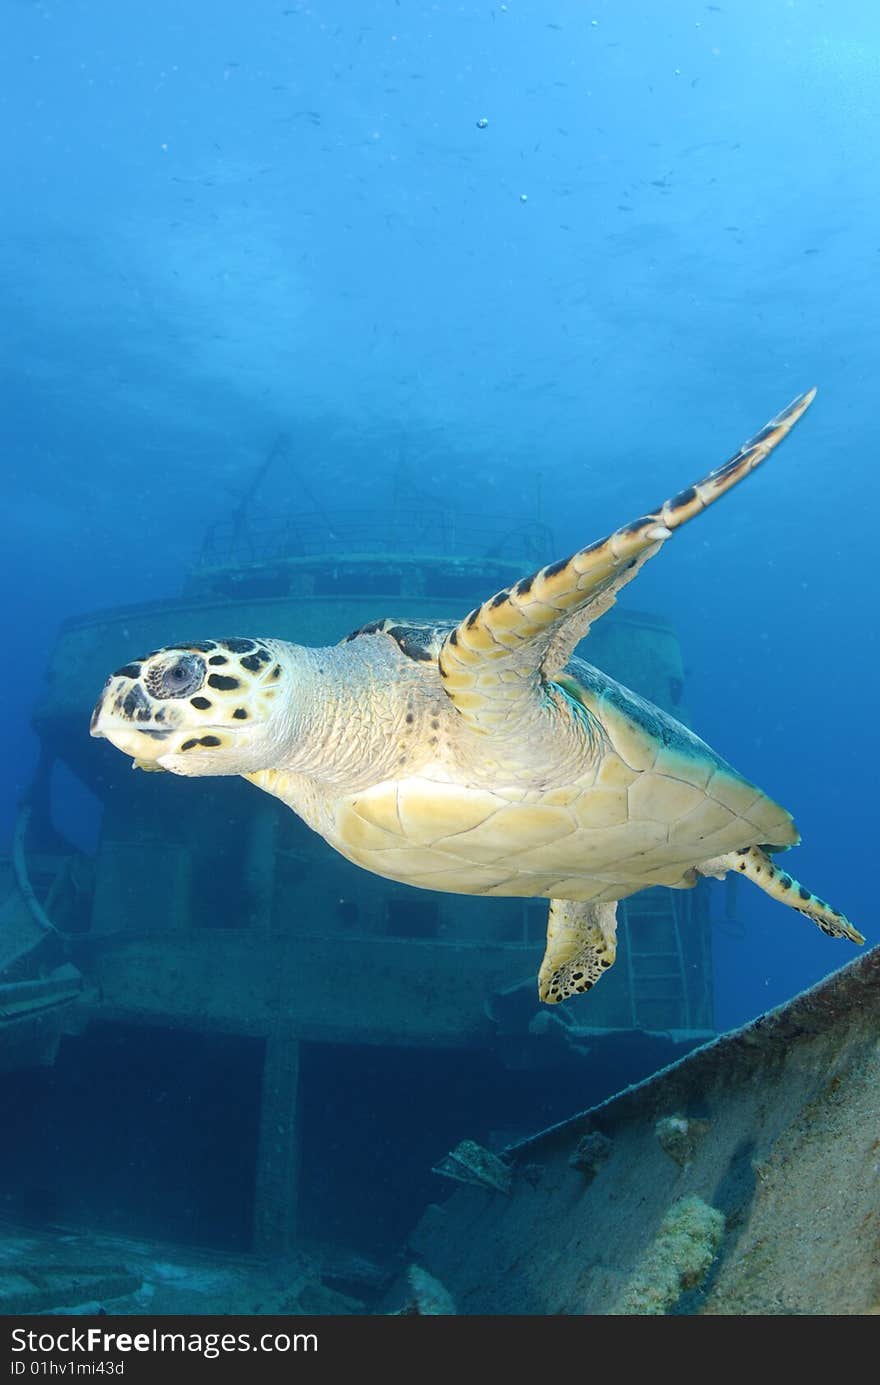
{"x": 655, "y": 964}
{"x": 37, "y": 984}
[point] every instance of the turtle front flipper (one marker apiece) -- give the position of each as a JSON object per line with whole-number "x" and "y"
{"x": 502, "y": 653}
{"x": 581, "y": 946}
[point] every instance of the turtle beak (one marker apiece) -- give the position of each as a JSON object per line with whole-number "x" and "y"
{"x": 100, "y": 715}
{"x": 130, "y": 705}
{"x": 95, "y": 723}
{"x": 123, "y": 716}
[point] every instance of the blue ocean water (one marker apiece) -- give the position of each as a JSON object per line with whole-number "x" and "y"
{"x": 581, "y": 249}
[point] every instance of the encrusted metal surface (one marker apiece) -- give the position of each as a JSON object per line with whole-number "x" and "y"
{"x": 770, "y": 1209}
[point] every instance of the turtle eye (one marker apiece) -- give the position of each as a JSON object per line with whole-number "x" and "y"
{"x": 184, "y": 675}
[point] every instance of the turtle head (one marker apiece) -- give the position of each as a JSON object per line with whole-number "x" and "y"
{"x": 196, "y": 709}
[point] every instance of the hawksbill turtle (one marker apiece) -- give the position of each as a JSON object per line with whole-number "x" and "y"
{"x": 482, "y": 758}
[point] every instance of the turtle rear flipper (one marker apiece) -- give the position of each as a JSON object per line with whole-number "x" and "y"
{"x": 581, "y": 946}
{"x": 757, "y": 866}
{"x": 499, "y": 658}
